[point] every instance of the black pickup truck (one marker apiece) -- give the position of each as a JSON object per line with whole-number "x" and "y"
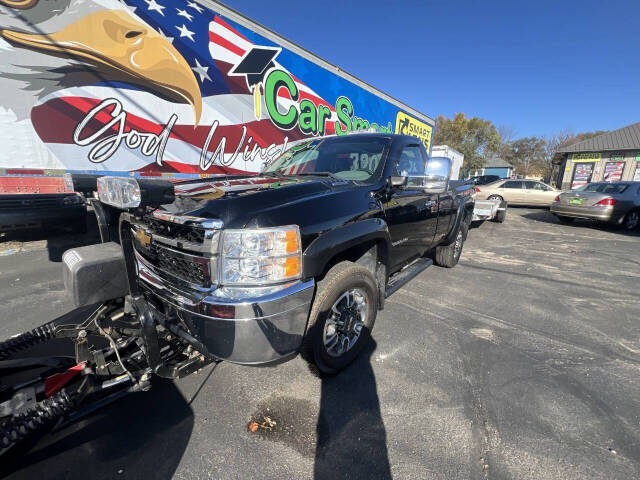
{"x": 249, "y": 269}
{"x": 302, "y": 255}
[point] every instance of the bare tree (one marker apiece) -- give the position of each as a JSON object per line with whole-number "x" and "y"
{"x": 552, "y": 143}
{"x": 507, "y": 133}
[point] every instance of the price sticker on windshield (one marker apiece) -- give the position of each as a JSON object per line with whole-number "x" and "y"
{"x": 407, "y": 125}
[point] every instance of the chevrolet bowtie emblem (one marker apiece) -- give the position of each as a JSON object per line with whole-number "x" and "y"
{"x": 143, "y": 237}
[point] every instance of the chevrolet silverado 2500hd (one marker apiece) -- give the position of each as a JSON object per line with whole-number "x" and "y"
{"x": 251, "y": 269}
{"x": 250, "y": 265}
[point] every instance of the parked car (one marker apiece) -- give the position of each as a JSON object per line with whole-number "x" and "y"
{"x": 301, "y": 255}
{"x": 251, "y": 269}
{"x": 484, "y": 179}
{"x": 615, "y": 203}
{"x": 518, "y": 192}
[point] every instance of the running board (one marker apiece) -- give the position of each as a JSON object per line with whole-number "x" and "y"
{"x": 403, "y": 276}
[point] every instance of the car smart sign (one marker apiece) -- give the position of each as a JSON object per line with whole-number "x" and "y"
{"x": 407, "y": 125}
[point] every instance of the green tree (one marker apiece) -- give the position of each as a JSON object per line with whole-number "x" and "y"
{"x": 527, "y": 155}
{"x": 474, "y": 137}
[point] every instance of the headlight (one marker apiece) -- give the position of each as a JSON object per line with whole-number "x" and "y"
{"x": 261, "y": 256}
{"x": 119, "y": 192}
{"x": 126, "y": 192}
{"x": 73, "y": 200}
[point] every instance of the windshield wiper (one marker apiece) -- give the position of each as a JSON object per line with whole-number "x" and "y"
{"x": 320, "y": 174}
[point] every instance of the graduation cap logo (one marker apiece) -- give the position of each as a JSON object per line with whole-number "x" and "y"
{"x": 254, "y": 65}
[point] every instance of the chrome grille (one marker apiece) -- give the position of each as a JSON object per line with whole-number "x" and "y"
{"x": 181, "y": 247}
{"x": 176, "y": 231}
{"x": 190, "y": 268}
{"x": 194, "y": 270}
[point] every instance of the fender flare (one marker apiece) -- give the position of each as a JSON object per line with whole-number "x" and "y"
{"x": 464, "y": 213}
{"x": 326, "y": 246}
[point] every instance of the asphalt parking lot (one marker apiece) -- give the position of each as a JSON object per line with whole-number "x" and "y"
{"x": 521, "y": 362}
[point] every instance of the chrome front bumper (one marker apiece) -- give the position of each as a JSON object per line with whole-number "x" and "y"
{"x": 600, "y": 213}
{"x": 247, "y": 326}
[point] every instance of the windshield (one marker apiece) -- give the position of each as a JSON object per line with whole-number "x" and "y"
{"x": 605, "y": 187}
{"x": 348, "y": 158}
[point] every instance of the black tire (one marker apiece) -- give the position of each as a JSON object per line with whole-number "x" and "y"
{"x": 631, "y": 220}
{"x": 341, "y": 278}
{"x": 564, "y": 219}
{"x": 495, "y": 197}
{"x": 500, "y": 216}
{"x": 448, "y": 255}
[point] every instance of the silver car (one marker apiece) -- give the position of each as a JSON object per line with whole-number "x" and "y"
{"x": 615, "y": 203}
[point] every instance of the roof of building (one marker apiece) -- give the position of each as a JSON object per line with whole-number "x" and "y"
{"x": 626, "y": 138}
{"x": 497, "y": 162}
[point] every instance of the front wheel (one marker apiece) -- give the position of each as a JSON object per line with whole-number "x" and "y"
{"x": 342, "y": 316}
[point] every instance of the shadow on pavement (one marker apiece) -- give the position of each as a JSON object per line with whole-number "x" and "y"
{"x": 143, "y": 435}
{"x": 545, "y": 216}
{"x": 351, "y": 438}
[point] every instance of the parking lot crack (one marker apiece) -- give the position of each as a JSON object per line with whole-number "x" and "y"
{"x": 484, "y": 434}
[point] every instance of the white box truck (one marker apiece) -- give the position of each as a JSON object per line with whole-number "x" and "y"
{"x": 455, "y": 156}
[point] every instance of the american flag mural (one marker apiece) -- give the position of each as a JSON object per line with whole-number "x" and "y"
{"x": 163, "y": 87}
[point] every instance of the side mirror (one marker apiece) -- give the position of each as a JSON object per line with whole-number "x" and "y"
{"x": 438, "y": 173}
{"x": 398, "y": 181}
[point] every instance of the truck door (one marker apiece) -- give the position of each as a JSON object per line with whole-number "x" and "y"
{"x": 440, "y": 168}
{"x": 411, "y": 213}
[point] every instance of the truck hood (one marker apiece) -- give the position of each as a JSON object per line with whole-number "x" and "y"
{"x": 235, "y": 200}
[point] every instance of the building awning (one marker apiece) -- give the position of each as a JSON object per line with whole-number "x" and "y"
{"x": 626, "y": 138}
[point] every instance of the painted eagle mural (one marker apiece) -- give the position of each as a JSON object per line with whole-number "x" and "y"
{"x": 153, "y": 86}
{"x": 159, "y": 62}
{"x": 54, "y": 51}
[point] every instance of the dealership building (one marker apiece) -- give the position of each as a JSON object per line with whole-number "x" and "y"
{"x": 610, "y": 157}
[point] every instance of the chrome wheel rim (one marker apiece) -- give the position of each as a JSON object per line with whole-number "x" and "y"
{"x": 345, "y": 322}
{"x": 632, "y": 220}
{"x": 457, "y": 247}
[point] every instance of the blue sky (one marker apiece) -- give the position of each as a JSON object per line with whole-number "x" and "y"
{"x": 537, "y": 67}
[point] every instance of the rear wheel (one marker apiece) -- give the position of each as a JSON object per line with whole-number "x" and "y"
{"x": 631, "y": 220}
{"x": 342, "y": 317}
{"x": 495, "y": 197}
{"x": 448, "y": 255}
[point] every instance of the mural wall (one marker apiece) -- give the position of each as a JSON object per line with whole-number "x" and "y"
{"x": 160, "y": 86}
